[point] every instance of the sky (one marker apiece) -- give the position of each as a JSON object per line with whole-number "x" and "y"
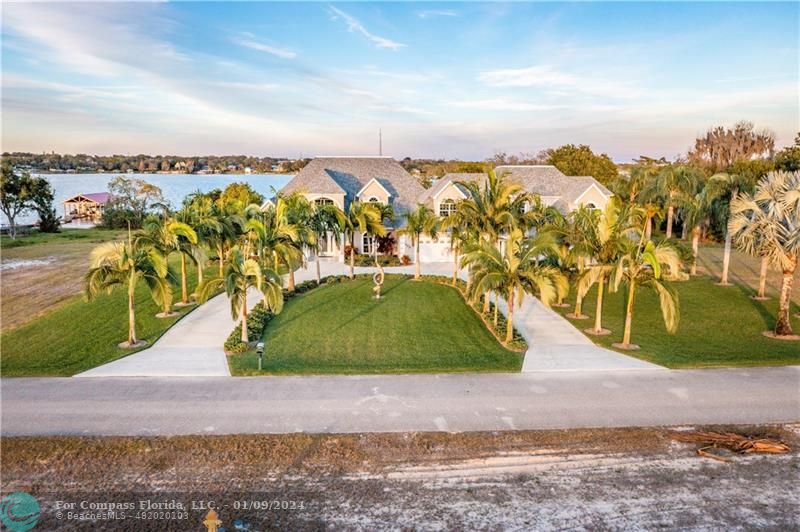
{"x": 450, "y": 80}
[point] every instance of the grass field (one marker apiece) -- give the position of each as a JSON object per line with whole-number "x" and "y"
{"x": 719, "y": 326}
{"x": 42, "y": 271}
{"x": 417, "y": 327}
{"x": 78, "y": 336}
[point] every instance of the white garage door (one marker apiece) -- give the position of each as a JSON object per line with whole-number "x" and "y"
{"x": 431, "y": 251}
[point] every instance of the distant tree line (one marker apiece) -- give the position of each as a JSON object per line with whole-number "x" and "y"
{"x": 83, "y": 163}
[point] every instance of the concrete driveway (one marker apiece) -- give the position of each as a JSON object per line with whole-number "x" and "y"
{"x": 380, "y": 403}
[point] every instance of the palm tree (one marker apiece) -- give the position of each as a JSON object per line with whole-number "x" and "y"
{"x": 642, "y": 265}
{"x": 124, "y": 264}
{"x": 515, "y": 272}
{"x": 242, "y": 273}
{"x": 298, "y": 213}
{"x": 720, "y": 191}
{"x": 278, "y": 240}
{"x": 364, "y": 218}
{"x": 457, "y": 226}
{"x": 168, "y": 236}
{"x": 493, "y": 209}
{"x": 606, "y": 240}
{"x": 670, "y": 184}
{"x": 768, "y": 223}
{"x": 420, "y": 222}
{"x": 696, "y": 213}
{"x": 573, "y": 234}
{"x": 198, "y": 212}
{"x": 325, "y": 220}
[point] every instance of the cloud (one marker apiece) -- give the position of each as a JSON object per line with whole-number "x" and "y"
{"x": 546, "y": 76}
{"x": 502, "y": 104}
{"x": 248, "y": 41}
{"x": 246, "y": 85}
{"x": 353, "y": 25}
{"x": 432, "y": 13}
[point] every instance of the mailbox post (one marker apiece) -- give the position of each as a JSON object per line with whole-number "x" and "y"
{"x": 260, "y": 351}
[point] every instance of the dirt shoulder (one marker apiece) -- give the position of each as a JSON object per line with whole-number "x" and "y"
{"x": 620, "y": 478}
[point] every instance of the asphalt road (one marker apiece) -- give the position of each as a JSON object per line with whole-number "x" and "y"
{"x": 465, "y": 402}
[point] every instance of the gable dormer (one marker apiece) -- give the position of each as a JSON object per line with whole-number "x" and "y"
{"x": 374, "y": 192}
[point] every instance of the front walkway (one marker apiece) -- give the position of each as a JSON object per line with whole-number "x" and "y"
{"x": 193, "y": 346}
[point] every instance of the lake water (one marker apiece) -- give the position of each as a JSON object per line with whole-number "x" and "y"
{"x": 173, "y": 186}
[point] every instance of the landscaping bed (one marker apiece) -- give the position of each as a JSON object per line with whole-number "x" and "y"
{"x": 416, "y": 327}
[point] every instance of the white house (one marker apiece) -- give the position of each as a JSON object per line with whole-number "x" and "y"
{"x": 341, "y": 180}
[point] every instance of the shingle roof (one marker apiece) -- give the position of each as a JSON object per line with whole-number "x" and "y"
{"x": 442, "y": 182}
{"x": 348, "y": 175}
{"x": 548, "y": 180}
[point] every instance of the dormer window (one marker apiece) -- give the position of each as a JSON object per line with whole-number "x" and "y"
{"x": 323, "y": 201}
{"x": 447, "y": 207}
{"x": 373, "y": 199}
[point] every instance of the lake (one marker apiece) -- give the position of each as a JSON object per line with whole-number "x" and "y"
{"x": 173, "y": 186}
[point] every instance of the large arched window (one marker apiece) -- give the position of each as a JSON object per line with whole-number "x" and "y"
{"x": 323, "y": 201}
{"x": 447, "y": 207}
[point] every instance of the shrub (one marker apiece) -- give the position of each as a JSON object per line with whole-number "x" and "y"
{"x": 406, "y": 260}
{"x": 369, "y": 260}
{"x": 257, "y": 319}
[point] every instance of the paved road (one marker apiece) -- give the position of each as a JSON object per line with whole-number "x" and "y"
{"x": 193, "y": 346}
{"x": 168, "y": 406}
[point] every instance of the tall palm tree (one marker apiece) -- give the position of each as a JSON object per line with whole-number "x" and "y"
{"x": 696, "y": 212}
{"x": 279, "y": 241}
{"x": 298, "y": 213}
{"x": 643, "y": 265}
{"x": 573, "y": 233}
{"x": 670, "y": 184}
{"x": 168, "y": 236}
{"x": 606, "y": 240}
{"x": 124, "y": 264}
{"x": 514, "y": 272}
{"x": 364, "y": 218}
{"x": 720, "y": 191}
{"x": 768, "y": 223}
{"x": 493, "y": 209}
{"x": 420, "y": 222}
{"x": 242, "y": 273}
{"x": 198, "y": 212}
{"x": 457, "y": 226}
{"x": 325, "y": 220}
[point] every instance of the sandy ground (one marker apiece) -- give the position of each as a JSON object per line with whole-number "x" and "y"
{"x": 543, "y": 480}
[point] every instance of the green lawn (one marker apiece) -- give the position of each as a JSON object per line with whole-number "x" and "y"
{"x": 718, "y": 327}
{"x": 78, "y": 335}
{"x": 93, "y": 234}
{"x": 417, "y": 327}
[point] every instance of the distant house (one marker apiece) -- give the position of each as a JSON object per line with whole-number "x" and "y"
{"x": 86, "y": 206}
{"x": 342, "y": 180}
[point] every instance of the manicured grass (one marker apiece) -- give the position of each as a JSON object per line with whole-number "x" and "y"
{"x": 78, "y": 335}
{"x": 417, "y": 327}
{"x": 719, "y": 326}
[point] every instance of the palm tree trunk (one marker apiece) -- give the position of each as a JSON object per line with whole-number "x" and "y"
{"x": 626, "y": 336}
{"x": 648, "y": 227}
{"x": 319, "y": 279}
{"x": 244, "y": 319}
{"x": 352, "y": 255}
{"x": 495, "y": 311}
{"x": 670, "y": 214}
{"x": 455, "y": 267}
{"x": 199, "y": 273}
{"x": 221, "y": 260}
{"x": 510, "y": 324}
{"x": 598, "y": 316}
{"x": 762, "y": 278}
{"x": 726, "y": 259}
{"x": 290, "y": 286}
{"x": 184, "y": 289}
{"x": 578, "y": 306}
{"x": 131, "y": 313}
{"x": 684, "y": 230}
{"x": 416, "y": 260}
{"x": 783, "y": 327}
{"x": 695, "y": 248}
{"x": 486, "y": 303}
